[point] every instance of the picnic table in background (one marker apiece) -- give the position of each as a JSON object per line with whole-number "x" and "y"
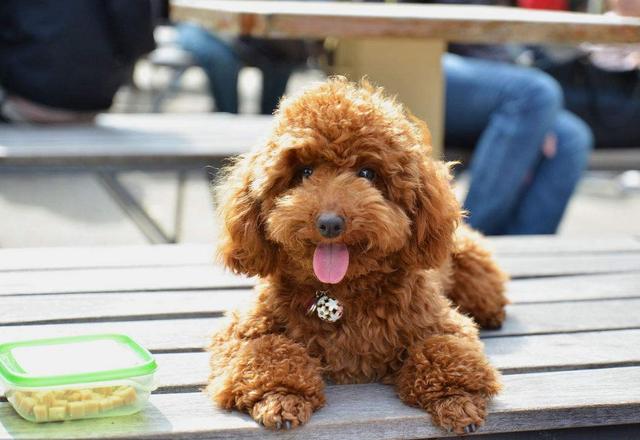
{"x": 569, "y": 349}
{"x": 400, "y": 46}
{"x": 134, "y": 141}
{"x": 148, "y": 142}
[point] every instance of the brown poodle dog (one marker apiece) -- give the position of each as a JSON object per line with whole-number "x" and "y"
{"x": 351, "y": 226}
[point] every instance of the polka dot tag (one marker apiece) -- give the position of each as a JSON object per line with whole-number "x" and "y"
{"x": 329, "y": 309}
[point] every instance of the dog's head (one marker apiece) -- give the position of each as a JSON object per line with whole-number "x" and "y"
{"x": 345, "y": 186}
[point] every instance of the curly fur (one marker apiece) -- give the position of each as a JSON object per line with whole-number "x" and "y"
{"x": 407, "y": 254}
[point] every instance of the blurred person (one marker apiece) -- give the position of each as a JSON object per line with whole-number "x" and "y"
{"x": 528, "y": 150}
{"x": 222, "y": 59}
{"x": 64, "y": 61}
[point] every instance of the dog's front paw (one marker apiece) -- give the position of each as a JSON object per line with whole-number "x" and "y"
{"x": 281, "y": 411}
{"x": 461, "y": 414}
{"x": 490, "y": 321}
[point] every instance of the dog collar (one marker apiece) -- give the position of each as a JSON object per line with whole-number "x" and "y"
{"x": 327, "y": 308}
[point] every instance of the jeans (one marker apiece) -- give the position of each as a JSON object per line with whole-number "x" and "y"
{"x": 507, "y": 112}
{"x": 222, "y": 65}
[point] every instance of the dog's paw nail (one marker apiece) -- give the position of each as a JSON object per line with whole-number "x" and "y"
{"x": 287, "y": 424}
{"x": 278, "y": 425}
{"x": 449, "y": 430}
{"x": 260, "y": 422}
{"x": 470, "y": 428}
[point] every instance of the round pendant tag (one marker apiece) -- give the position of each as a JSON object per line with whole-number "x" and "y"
{"x": 328, "y": 309}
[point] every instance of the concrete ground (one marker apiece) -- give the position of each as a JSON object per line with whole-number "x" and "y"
{"x": 74, "y": 209}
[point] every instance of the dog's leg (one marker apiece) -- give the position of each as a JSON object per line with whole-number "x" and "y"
{"x": 474, "y": 282}
{"x": 449, "y": 377}
{"x": 271, "y": 377}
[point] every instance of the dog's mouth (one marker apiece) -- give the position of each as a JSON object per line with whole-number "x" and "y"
{"x": 330, "y": 262}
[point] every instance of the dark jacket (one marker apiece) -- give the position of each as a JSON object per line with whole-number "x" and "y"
{"x": 71, "y": 54}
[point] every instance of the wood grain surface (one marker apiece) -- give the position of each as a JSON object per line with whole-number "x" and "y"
{"x": 459, "y": 23}
{"x": 119, "y": 138}
{"x": 528, "y": 402}
{"x": 569, "y": 349}
{"x": 529, "y": 316}
{"x": 203, "y": 254}
{"x": 210, "y": 276}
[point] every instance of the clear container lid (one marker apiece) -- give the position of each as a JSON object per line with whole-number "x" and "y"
{"x": 73, "y": 360}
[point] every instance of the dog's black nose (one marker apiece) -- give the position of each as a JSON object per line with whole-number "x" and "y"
{"x": 330, "y": 225}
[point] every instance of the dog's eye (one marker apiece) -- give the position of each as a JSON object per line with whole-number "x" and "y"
{"x": 367, "y": 173}
{"x": 306, "y": 171}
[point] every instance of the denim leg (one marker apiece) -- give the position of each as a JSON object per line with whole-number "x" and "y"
{"x": 545, "y": 200}
{"x": 218, "y": 60}
{"x": 512, "y": 109}
{"x": 275, "y": 77}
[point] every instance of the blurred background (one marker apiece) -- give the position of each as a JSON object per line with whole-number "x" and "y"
{"x": 59, "y": 206}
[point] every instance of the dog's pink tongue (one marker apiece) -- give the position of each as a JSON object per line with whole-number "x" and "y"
{"x": 330, "y": 262}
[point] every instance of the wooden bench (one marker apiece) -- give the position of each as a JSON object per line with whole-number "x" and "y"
{"x": 147, "y": 141}
{"x": 118, "y": 142}
{"x": 569, "y": 349}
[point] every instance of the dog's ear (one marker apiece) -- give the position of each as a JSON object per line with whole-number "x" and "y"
{"x": 242, "y": 246}
{"x": 434, "y": 211}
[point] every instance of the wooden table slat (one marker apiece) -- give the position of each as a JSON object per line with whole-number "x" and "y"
{"x": 574, "y": 288}
{"x": 512, "y": 355}
{"x": 28, "y": 259}
{"x": 157, "y": 335}
{"x": 192, "y": 332}
{"x": 120, "y": 306}
{"x": 350, "y": 414}
{"x": 113, "y": 279}
{"x": 26, "y": 308}
{"x": 541, "y": 318}
{"x": 119, "y": 280}
{"x": 513, "y": 245}
{"x": 104, "y": 257}
{"x": 554, "y": 265}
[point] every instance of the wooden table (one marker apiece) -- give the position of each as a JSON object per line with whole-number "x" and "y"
{"x": 400, "y": 45}
{"x": 569, "y": 349}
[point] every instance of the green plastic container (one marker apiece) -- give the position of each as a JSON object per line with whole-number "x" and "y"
{"x": 78, "y": 377}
